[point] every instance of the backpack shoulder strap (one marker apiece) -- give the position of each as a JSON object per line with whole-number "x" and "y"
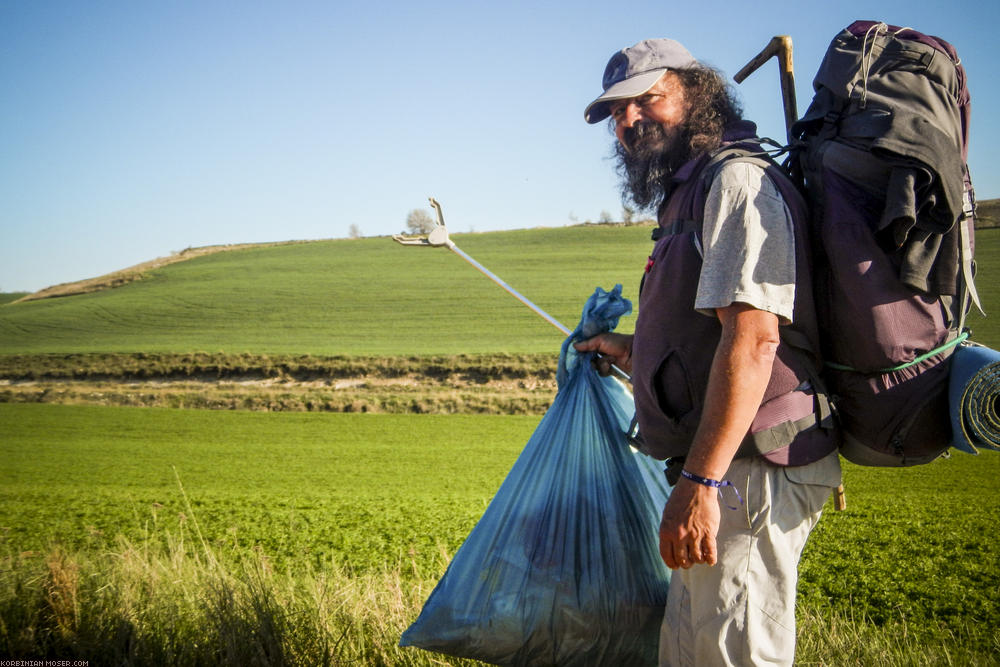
{"x": 749, "y": 151}
{"x": 744, "y": 151}
{"x": 765, "y": 160}
{"x": 739, "y": 153}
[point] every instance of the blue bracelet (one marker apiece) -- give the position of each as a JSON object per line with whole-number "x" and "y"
{"x": 705, "y": 481}
{"x": 714, "y": 483}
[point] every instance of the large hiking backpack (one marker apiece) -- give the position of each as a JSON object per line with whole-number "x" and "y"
{"x": 881, "y": 152}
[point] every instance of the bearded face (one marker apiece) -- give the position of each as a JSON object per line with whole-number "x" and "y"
{"x": 659, "y": 142}
{"x": 647, "y": 157}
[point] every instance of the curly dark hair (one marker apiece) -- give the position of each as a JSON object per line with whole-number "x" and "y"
{"x": 712, "y": 105}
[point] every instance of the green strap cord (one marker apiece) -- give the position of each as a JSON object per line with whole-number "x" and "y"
{"x": 923, "y": 357}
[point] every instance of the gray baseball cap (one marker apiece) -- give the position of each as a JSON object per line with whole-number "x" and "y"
{"x": 633, "y": 71}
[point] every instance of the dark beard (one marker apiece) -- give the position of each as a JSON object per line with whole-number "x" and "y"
{"x": 652, "y": 158}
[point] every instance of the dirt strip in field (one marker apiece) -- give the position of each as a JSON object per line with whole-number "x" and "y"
{"x": 431, "y": 386}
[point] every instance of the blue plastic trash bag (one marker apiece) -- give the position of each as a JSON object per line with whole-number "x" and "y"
{"x": 973, "y": 389}
{"x": 563, "y": 568}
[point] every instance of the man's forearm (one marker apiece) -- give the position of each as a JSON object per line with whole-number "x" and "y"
{"x": 741, "y": 369}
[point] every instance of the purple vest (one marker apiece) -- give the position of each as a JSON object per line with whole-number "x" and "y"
{"x": 674, "y": 345}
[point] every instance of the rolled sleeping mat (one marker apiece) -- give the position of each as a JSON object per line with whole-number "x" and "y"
{"x": 974, "y": 394}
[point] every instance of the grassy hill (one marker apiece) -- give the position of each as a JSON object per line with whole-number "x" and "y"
{"x": 348, "y": 326}
{"x": 7, "y": 297}
{"x": 344, "y": 297}
{"x": 988, "y": 213}
{"x": 366, "y": 297}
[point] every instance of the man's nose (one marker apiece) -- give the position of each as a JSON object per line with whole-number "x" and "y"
{"x": 631, "y": 114}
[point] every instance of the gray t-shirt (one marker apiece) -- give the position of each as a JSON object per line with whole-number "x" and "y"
{"x": 748, "y": 244}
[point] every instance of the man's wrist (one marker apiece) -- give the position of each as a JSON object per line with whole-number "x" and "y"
{"x": 692, "y": 488}
{"x": 703, "y": 481}
{"x": 709, "y": 485}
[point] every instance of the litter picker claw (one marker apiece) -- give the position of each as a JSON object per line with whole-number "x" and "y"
{"x": 438, "y": 237}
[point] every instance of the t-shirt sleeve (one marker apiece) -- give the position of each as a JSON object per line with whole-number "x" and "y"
{"x": 748, "y": 244}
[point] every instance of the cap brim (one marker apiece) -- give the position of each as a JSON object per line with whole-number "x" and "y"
{"x": 634, "y": 86}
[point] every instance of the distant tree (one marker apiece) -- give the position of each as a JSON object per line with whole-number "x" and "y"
{"x": 604, "y": 218}
{"x": 419, "y": 221}
{"x": 355, "y": 231}
{"x": 628, "y": 214}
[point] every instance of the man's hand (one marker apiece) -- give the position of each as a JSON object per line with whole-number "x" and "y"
{"x": 689, "y": 526}
{"x": 615, "y": 349}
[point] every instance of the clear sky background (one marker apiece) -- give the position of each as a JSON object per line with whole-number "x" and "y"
{"x": 129, "y": 130}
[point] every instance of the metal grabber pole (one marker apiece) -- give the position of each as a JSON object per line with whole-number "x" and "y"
{"x": 780, "y": 46}
{"x": 438, "y": 238}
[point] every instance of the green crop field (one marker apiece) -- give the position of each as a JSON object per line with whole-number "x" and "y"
{"x": 368, "y": 297}
{"x": 347, "y": 297}
{"x": 361, "y": 495}
{"x": 145, "y": 518}
{"x": 986, "y": 330}
{"x": 363, "y": 490}
{"x": 166, "y": 536}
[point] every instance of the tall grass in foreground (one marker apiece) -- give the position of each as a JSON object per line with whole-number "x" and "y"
{"x": 314, "y": 539}
{"x": 171, "y": 603}
{"x": 171, "y": 600}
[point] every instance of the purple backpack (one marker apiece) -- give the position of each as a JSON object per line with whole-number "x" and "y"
{"x": 881, "y": 155}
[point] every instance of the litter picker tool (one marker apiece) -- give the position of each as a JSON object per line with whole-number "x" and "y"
{"x": 438, "y": 237}
{"x": 780, "y": 46}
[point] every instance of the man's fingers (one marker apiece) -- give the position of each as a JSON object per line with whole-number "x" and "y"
{"x": 603, "y": 365}
{"x": 704, "y": 551}
{"x": 667, "y": 553}
{"x": 588, "y": 345}
{"x": 676, "y": 556}
{"x": 689, "y": 551}
{"x": 696, "y": 552}
{"x": 709, "y": 551}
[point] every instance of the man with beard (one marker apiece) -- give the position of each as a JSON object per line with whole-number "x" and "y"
{"x": 722, "y": 370}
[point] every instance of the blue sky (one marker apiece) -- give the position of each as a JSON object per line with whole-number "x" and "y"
{"x": 129, "y": 130}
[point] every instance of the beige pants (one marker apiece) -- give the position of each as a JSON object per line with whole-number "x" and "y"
{"x": 741, "y": 611}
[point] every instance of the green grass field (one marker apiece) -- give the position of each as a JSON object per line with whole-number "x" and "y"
{"x": 362, "y": 495}
{"x": 369, "y": 297}
{"x": 139, "y": 536}
{"x": 348, "y": 297}
{"x": 365, "y": 490}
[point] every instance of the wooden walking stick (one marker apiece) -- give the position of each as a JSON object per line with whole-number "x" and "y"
{"x": 780, "y": 46}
